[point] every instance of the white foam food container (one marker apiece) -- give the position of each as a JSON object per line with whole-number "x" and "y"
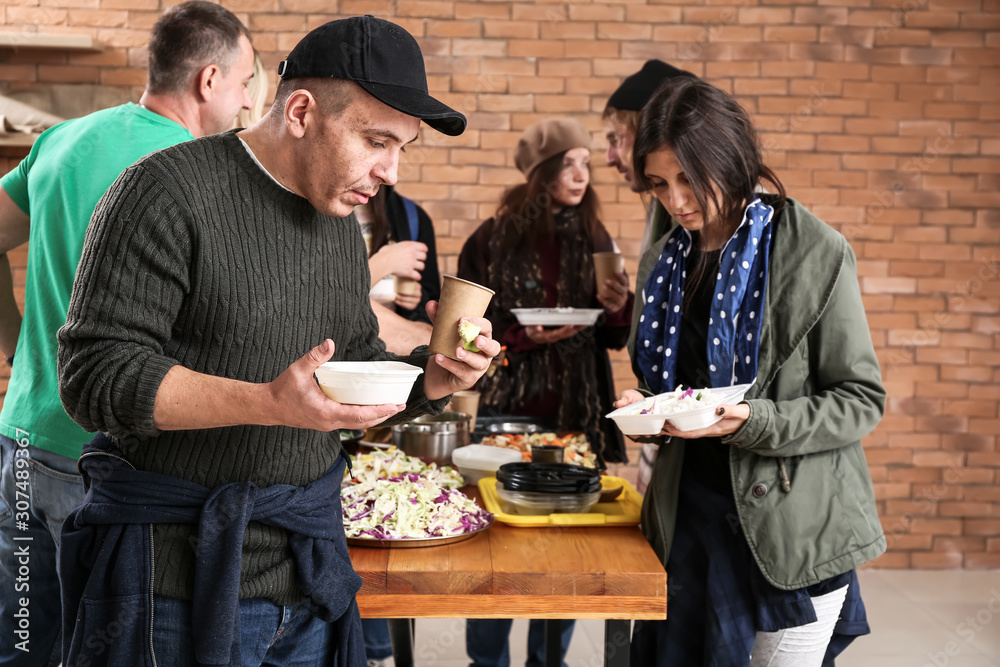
{"x": 367, "y": 382}
{"x": 633, "y": 424}
{"x": 691, "y": 419}
{"x": 476, "y": 462}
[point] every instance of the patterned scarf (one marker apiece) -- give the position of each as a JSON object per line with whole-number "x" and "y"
{"x": 735, "y": 316}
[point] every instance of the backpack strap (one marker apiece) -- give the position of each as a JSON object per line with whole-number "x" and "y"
{"x": 411, "y": 217}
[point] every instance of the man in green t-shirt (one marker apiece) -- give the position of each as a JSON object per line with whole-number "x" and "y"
{"x": 200, "y": 61}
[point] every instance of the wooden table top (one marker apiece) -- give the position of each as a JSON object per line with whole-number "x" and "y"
{"x": 512, "y": 572}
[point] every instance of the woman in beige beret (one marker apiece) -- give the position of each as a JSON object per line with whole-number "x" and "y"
{"x": 537, "y": 252}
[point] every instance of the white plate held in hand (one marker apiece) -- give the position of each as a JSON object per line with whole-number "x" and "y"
{"x": 689, "y": 419}
{"x": 556, "y": 317}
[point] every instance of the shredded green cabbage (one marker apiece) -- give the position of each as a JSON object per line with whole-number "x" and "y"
{"x": 399, "y": 497}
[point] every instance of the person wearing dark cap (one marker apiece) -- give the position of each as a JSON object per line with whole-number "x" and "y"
{"x": 621, "y": 116}
{"x": 537, "y": 252}
{"x": 216, "y": 277}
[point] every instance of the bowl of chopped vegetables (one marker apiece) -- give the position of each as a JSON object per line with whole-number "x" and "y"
{"x": 686, "y": 409}
{"x": 577, "y": 448}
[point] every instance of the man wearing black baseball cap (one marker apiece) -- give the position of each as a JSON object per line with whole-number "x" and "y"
{"x": 378, "y": 56}
{"x": 217, "y": 276}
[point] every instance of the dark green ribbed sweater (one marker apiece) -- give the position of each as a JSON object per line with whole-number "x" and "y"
{"x": 196, "y": 257}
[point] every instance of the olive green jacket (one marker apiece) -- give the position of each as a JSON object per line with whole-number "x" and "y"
{"x": 803, "y": 492}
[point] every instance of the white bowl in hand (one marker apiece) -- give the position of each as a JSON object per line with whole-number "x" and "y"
{"x": 631, "y": 421}
{"x": 367, "y": 382}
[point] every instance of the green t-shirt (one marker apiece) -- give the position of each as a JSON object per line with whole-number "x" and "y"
{"x": 58, "y": 185}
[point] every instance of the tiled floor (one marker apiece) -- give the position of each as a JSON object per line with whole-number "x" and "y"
{"x": 918, "y": 619}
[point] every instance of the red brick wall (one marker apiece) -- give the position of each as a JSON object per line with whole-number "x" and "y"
{"x": 882, "y": 116}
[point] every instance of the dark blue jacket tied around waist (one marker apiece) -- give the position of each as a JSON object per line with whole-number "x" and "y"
{"x": 106, "y": 560}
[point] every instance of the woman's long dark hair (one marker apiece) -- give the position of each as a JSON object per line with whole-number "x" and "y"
{"x": 525, "y": 210}
{"x": 715, "y": 144}
{"x": 380, "y": 220}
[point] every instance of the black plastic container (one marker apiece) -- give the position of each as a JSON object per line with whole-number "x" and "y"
{"x": 558, "y": 478}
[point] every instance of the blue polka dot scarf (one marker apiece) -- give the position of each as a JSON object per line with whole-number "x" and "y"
{"x": 735, "y": 316}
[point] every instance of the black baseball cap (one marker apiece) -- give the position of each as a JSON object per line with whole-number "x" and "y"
{"x": 380, "y": 57}
{"x": 638, "y": 89}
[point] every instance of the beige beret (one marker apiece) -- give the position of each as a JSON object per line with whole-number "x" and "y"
{"x": 546, "y": 139}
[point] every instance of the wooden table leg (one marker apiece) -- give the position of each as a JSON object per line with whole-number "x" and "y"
{"x": 617, "y": 642}
{"x": 401, "y": 638}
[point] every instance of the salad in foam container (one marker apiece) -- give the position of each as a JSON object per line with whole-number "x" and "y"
{"x": 397, "y": 497}
{"x": 687, "y": 409}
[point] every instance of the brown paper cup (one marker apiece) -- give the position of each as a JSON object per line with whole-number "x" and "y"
{"x": 405, "y": 286}
{"x": 466, "y": 402}
{"x": 459, "y": 298}
{"x": 607, "y": 265}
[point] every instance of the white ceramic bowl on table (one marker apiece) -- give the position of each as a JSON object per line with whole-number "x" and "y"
{"x": 367, "y": 382}
{"x": 691, "y": 419}
{"x": 475, "y": 462}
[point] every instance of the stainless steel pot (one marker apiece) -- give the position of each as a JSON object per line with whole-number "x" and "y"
{"x": 433, "y": 437}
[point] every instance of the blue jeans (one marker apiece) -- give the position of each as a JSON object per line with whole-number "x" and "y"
{"x": 269, "y": 635}
{"x": 377, "y": 644}
{"x": 37, "y": 490}
{"x": 486, "y": 642}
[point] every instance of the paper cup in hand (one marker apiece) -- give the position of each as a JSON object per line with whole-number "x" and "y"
{"x": 466, "y": 402}
{"x": 405, "y": 286}
{"x": 606, "y": 266}
{"x": 459, "y": 298}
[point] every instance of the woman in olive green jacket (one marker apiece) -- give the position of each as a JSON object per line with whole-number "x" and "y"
{"x": 761, "y": 518}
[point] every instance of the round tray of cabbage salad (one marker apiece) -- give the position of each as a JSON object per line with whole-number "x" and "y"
{"x": 395, "y": 500}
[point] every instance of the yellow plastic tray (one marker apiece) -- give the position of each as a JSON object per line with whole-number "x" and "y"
{"x": 622, "y": 511}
